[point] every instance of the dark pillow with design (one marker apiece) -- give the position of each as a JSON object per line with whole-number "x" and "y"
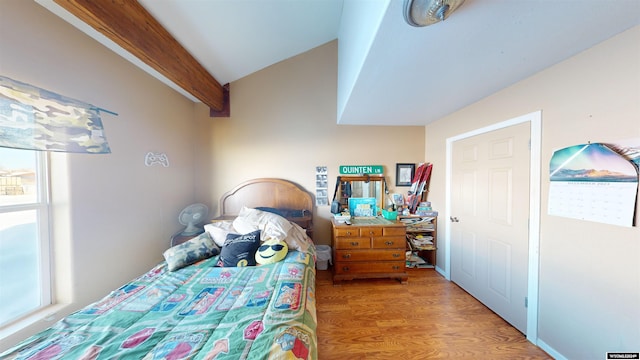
{"x": 239, "y": 250}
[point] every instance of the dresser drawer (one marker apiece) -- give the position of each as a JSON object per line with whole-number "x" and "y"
{"x": 369, "y": 255}
{"x": 370, "y": 231}
{"x": 358, "y": 231}
{"x": 394, "y": 231}
{"x": 346, "y": 231}
{"x": 389, "y": 242}
{"x": 352, "y": 243}
{"x": 343, "y": 267}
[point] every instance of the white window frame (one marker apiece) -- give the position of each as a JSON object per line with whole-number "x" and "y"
{"x": 42, "y": 208}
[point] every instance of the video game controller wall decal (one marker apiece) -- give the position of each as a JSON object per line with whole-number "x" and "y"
{"x": 156, "y": 158}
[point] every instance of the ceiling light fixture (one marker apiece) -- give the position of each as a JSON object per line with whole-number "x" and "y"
{"x": 426, "y": 12}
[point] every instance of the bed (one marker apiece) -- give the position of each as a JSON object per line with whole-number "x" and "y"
{"x": 207, "y": 309}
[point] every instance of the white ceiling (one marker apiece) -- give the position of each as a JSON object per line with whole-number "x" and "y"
{"x": 390, "y": 73}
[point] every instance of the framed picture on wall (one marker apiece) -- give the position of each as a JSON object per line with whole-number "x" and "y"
{"x": 404, "y": 174}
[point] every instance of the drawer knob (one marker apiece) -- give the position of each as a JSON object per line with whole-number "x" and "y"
{"x": 345, "y": 268}
{"x": 354, "y": 243}
{"x": 348, "y": 232}
{"x": 396, "y": 255}
{"x": 396, "y": 267}
{"x": 389, "y": 243}
{"x": 346, "y": 256}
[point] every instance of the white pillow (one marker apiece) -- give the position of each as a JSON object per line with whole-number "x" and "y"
{"x": 271, "y": 225}
{"x": 297, "y": 238}
{"x": 219, "y": 230}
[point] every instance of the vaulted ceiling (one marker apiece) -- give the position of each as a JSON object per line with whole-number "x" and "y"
{"x": 389, "y": 73}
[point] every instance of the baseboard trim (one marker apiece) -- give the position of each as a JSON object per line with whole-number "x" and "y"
{"x": 551, "y": 351}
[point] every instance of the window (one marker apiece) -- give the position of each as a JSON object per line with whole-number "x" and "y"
{"x": 25, "y": 282}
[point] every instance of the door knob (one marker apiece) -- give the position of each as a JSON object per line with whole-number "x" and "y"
{"x": 454, "y": 219}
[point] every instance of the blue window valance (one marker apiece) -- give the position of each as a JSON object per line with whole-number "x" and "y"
{"x": 37, "y": 119}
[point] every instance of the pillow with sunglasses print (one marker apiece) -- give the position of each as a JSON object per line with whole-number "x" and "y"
{"x": 271, "y": 251}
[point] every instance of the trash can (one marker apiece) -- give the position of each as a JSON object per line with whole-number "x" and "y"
{"x": 323, "y": 257}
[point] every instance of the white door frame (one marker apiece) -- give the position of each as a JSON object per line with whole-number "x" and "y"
{"x": 535, "y": 118}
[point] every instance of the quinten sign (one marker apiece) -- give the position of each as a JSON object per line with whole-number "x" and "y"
{"x": 361, "y": 169}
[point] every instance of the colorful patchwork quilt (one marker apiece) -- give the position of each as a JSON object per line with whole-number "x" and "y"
{"x": 198, "y": 312}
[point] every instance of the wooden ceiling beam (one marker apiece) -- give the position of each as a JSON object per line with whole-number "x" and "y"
{"x": 131, "y": 26}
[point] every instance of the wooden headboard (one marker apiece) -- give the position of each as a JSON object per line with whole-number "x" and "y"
{"x": 269, "y": 192}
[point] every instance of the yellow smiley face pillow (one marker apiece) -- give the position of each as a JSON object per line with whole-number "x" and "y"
{"x": 271, "y": 251}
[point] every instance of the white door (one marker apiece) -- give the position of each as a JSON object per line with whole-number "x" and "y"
{"x": 489, "y": 214}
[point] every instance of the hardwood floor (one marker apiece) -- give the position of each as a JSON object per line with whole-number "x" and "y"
{"x": 429, "y": 318}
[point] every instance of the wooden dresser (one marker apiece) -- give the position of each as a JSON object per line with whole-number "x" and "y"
{"x": 368, "y": 248}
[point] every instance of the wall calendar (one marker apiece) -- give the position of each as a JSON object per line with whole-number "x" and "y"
{"x": 594, "y": 182}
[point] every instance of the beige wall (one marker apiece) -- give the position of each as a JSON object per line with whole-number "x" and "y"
{"x": 112, "y": 216}
{"x": 589, "y": 272}
{"x": 283, "y": 124}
